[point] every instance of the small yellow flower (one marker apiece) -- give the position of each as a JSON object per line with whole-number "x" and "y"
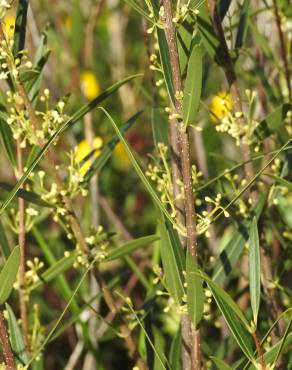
{"x": 89, "y": 85}
{"x": 83, "y": 149}
{"x": 220, "y": 106}
{"x": 9, "y": 26}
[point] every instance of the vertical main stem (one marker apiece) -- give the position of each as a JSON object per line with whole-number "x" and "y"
{"x": 191, "y": 341}
{"x": 21, "y": 242}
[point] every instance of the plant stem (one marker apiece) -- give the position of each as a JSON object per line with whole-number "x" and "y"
{"x": 4, "y": 340}
{"x": 21, "y": 242}
{"x": 180, "y": 140}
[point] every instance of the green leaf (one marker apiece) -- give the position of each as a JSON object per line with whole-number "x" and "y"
{"x": 235, "y": 319}
{"x": 287, "y": 184}
{"x": 159, "y": 126}
{"x": 195, "y": 293}
{"x": 8, "y": 274}
{"x": 171, "y": 261}
{"x": 220, "y": 364}
{"x": 273, "y": 121}
{"x": 243, "y": 24}
{"x": 29, "y": 75}
{"x": 193, "y": 86}
{"x": 108, "y": 149}
{"x": 130, "y": 247}
{"x": 29, "y": 196}
{"x": 20, "y": 27}
{"x": 69, "y": 123}
{"x": 159, "y": 343}
{"x": 184, "y": 41}
{"x": 8, "y": 141}
{"x": 15, "y": 336}
{"x": 139, "y": 172}
{"x": 165, "y": 63}
{"x": 254, "y": 269}
{"x": 232, "y": 252}
{"x": 4, "y": 242}
{"x": 175, "y": 351}
{"x": 77, "y": 33}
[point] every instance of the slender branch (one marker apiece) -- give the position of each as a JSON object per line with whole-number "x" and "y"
{"x": 181, "y": 167}
{"x": 21, "y": 242}
{"x": 4, "y": 340}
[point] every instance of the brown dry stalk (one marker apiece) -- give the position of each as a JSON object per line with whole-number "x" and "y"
{"x": 4, "y": 340}
{"x": 181, "y": 166}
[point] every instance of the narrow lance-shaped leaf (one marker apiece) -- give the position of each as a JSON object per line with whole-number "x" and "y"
{"x": 130, "y": 247}
{"x": 220, "y": 364}
{"x": 8, "y": 274}
{"x": 15, "y": 335}
{"x": 8, "y": 141}
{"x": 70, "y": 122}
{"x": 4, "y": 245}
{"x": 254, "y": 269}
{"x": 171, "y": 264}
{"x": 20, "y": 27}
{"x": 195, "y": 293}
{"x": 235, "y": 319}
{"x": 193, "y": 86}
{"x": 243, "y": 24}
{"x": 165, "y": 63}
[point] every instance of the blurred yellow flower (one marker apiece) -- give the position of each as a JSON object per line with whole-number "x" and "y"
{"x": 9, "y": 26}
{"x": 67, "y": 22}
{"x": 83, "y": 149}
{"x": 89, "y": 85}
{"x": 220, "y": 106}
{"x": 121, "y": 156}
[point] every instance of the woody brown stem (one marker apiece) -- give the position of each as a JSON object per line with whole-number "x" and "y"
{"x": 4, "y": 340}
{"x": 181, "y": 163}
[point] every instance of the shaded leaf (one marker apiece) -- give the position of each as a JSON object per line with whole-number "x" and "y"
{"x": 8, "y": 274}
{"x": 4, "y": 242}
{"x": 283, "y": 182}
{"x": 232, "y": 251}
{"x": 171, "y": 261}
{"x": 220, "y": 364}
{"x": 243, "y": 24}
{"x": 29, "y": 196}
{"x": 20, "y": 27}
{"x": 235, "y": 319}
{"x": 195, "y": 293}
{"x": 193, "y": 86}
{"x": 130, "y": 247}
{"x": 175, "y": 351}
{"x": 273, "y": 121}
{"x": 15, "y": 336}
{"x": 8, "y": 141}
{"x": 165, "y": 63}
{"x": 254, "y": 269}
{"x": 159, "y": 126}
